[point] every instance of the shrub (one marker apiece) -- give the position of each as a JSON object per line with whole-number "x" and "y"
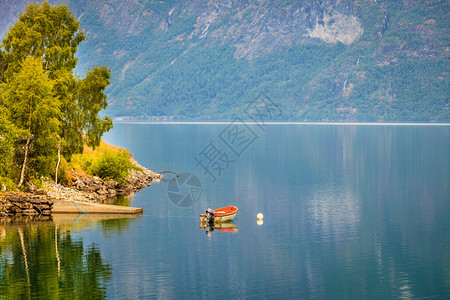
{"x": 111, "y": 165}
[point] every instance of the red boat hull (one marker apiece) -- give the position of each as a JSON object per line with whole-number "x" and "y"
{"x": 223, "y": 214}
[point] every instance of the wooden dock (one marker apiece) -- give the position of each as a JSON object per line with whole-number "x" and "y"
{"x": 78, "y": 207}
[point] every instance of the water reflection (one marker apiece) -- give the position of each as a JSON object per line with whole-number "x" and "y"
{"x": 41, "y": 259}
{"x": 210, "y": 228}
{"x": 355, "y": 212}
{"x": 122, "y": 200}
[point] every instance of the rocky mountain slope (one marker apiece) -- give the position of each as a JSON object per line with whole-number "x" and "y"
{"x": 365, "y": 60}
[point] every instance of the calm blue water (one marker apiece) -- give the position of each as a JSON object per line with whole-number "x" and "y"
{"x": 350, "y": 212}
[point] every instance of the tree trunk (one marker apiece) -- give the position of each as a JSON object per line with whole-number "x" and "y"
{"x": 25, "y": 162}
{"x": 57, "y": 166}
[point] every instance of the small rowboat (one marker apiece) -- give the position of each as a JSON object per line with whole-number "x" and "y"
{"x": 223, "y": 214}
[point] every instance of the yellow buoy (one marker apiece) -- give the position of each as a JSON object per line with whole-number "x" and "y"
{"x": 260, "y": 216}
{"x": 259, "y": 222}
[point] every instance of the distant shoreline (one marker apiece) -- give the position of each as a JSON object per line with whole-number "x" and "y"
{"x": 281, "y": 123}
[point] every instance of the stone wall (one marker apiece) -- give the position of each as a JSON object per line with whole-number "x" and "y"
{"x": 25, "y": 204}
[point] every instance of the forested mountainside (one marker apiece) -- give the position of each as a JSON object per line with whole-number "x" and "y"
{"x": 318, "y": 60}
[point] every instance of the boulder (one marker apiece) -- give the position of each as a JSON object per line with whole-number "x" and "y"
{"x": 102, "y": 191}
{"x": 112, "y": 192}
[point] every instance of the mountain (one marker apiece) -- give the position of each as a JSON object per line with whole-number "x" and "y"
{"x": 317, "y": 60}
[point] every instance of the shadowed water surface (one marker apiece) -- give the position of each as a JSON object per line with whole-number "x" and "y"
{"x": 350, "y": 212}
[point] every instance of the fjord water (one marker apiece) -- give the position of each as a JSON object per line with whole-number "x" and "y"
{"x": 350, "y": 212}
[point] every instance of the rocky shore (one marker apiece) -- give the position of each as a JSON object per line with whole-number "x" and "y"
{"x": 94, "y": 189}
{"x": 82, "y": 188}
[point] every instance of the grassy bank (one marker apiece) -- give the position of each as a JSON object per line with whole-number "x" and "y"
{"x": 106, "y": 162}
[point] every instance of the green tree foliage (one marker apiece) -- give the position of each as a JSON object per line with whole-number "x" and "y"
{"x": 8, "y": 134}
{"x": 91, "y": 101}
{"x": 46, "y": 31}
{"x": 3, "y": 66}
{"x": 81, "y": 102}
{"x": 49, "y": 105}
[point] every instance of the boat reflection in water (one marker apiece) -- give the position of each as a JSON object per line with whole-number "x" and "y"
{"x": 210, "y": 227}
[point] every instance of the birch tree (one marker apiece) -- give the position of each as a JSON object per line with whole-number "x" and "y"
{"x": 34, "y": 111}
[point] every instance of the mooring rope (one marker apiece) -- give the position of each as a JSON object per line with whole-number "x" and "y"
{"x": 163, "y": 216}
{"x": 79, "y": 207}
{"x": 176, "y": 174}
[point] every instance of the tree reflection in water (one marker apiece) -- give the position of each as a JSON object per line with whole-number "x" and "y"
{"x": 43, "y": 261}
